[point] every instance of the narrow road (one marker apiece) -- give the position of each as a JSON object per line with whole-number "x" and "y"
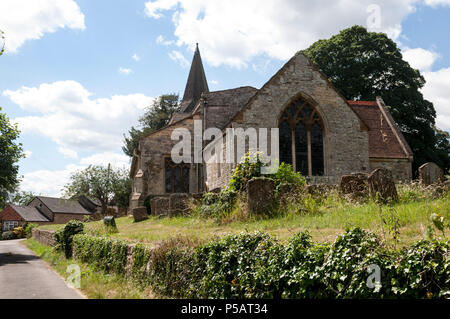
{"x": 24, "y": 275}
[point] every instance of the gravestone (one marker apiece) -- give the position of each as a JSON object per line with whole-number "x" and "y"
{"x": 140, "y": 213}
{"x": 179, "y": 204}
{"x": 260, "y": 195}
{"x": 381, "y": 182}
{"x": 354, "y": 185}
{"x": 109, "y": 221}
{"x": 162, "y": 206}
{"x": 430, "y": 173}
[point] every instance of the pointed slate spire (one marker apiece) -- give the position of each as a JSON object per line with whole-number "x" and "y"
{"x": 196, "y": 84}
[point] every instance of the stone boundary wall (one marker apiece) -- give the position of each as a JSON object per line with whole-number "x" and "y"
{"x": 43, "y": 236}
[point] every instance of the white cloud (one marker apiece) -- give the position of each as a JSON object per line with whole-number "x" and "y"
{"x": 67, "y": 152}
{"x": 437, "y": 91}
{"x": 214, "y": 82}
{"x": 135, "y": 57}
{"x": 28, "y": 153}
{"x": 420, "y": 59}
{"x": 160, "y": 40}
{"x": 125, "y": 71}
{"x": 115, "y": 159}
{"x": 48, "y": 182}
{"x": 68, "y": 114}
{"x": 179, "y": 58}
{"x": 23, "y": 20}
{"x": 435, "y": 3}
{"x": 233, "y": 32}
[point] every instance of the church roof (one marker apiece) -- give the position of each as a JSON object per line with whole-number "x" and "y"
{"x": 385, "y": 138}
{"x": 221, "y": 106}
{"x": 196, "y": 84}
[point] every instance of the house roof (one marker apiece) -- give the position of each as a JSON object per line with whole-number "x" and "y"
{"x": 30, "y": 214}
{"x": 60, "y": 205}
{"x": 196, "y": 84}
{"x": 385, "y": 138}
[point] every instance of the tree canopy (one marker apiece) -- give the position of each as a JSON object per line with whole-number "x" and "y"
{"x": 155, "y": 117}
{"x": 10, "y": 153}
{"x": 102, "y": 183}
{"x": 363, "y": 65}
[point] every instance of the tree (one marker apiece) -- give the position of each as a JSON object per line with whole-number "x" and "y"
{"x": 10, "y": 154}
{"x": 2, "y": 42}
{"x": 102, "y": 183}
{"x": 363, "y": 65}
{"x": 156, "y": 117}
{"x": 21, "y": 198}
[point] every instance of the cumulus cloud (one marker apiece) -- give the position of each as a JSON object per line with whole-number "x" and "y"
{"x": 23, "y": 20}
{"x": 233, "y": 32}
{"x": 68, "y": 114}
{"x": 435, "y": 3}
{"x": 48, "y": 182}
{"x": 160, "y": 40}
{"x": 179, "y": 58}
{"x": 437, "y": 91}
{"x": 420, "y": 59}
{"x": 103, "y": 159}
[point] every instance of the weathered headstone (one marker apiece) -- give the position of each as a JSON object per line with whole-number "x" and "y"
{"x": 109, "y": 221}
{"x": 178, "y": 204}
{"x": 430, "y": 173}
{"x": 381, "y": 185}
{"x": 354, "y": 185}
{"x": 140, "y": 213}
{"x": 162, "y": 206}
{"x": 260, "y": 195}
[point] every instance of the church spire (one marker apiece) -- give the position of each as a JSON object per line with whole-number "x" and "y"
{"x": 196, "y": 83}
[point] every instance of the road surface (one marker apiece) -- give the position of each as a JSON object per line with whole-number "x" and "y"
{"x": 23, "y": 275}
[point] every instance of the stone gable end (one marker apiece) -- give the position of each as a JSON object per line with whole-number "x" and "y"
{"x": 346, "y": 144}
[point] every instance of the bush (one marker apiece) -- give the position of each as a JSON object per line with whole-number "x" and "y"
{"x": 65, "y": 235}
{"x": 8, "y": 235}
{"x": 19, "y": 232}
{"x": 217, "y": 205}
{"x": 286, "y": 175}
{"x": 109, "y": 255}
{"x": 29, "y": 228}
{"x": 246, "y": 169}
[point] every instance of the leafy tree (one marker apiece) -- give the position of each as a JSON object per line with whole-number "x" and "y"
{"x": 21, "y": 198}
{"x": 102, "y": 183}
{"x": 10, "y": 153}
{"x": 2, "y": 42}
{"x": 156, "y": 117}
{"x": 363, "y": 65}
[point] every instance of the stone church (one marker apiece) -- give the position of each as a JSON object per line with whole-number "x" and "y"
{"x": 321, "y": 134}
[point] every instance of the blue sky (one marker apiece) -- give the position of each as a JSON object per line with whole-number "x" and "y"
{"x": 78, "y": 73}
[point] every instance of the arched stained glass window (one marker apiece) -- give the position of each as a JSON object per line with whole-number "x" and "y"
{"x": 301, "y": 138}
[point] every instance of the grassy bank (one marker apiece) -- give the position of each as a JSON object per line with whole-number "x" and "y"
{"x": 324, "y": 222}
{"x": 95, "y": 284}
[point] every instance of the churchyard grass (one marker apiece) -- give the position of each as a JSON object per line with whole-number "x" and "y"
{"x": 323, "y": 220}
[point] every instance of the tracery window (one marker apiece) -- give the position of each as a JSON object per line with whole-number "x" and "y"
{"x": 301, "y": 138}
{"x": 176, "y": 176}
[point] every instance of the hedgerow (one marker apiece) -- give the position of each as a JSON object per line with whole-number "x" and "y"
{"x": 257, "y": 266}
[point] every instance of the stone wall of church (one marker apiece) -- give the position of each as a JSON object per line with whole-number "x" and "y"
{"x": 218, "y": 174}
{"x": 154, "y": 149}
{"x": 346, "y": 142}
{"x": 401, "y": 168}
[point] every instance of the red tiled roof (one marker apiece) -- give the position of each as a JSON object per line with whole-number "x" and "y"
{"x": 385, "y": 139}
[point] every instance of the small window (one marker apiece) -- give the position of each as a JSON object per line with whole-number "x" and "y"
{"x": 10, "y": 225}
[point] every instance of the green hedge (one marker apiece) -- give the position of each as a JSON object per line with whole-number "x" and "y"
{"x": 257, "y": 266}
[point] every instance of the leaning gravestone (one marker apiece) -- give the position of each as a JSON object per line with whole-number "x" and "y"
{"x": 260, "y": 195}
{"x": 140, "y": 213}
{"x": 354, "y": 185}
{"x": 381, "y": 185}
{"x": 430, "y": 173}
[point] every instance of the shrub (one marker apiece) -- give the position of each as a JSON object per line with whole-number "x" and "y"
{"x": 29, "y": 228}
{"x": 7, "y": 235}
{"x": 246, "y": 169}
{"x": 65, "y": 235}
{"x": 286, "y": 175}
{"x": 217, "y": 205}
{"x": 19, "y": 232}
